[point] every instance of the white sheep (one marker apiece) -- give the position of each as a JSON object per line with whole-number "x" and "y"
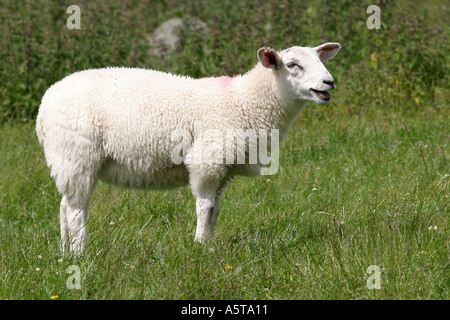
{"x": 118, "y": 124}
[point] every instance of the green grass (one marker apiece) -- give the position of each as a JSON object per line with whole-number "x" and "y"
{"x": 363, "y": 181}
{"x": 353, "y": 191}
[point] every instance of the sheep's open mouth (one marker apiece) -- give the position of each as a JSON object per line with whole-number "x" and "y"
{"x": 324, "y": 95}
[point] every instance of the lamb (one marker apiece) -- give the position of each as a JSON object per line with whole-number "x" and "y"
{"x": 117, "y": 125}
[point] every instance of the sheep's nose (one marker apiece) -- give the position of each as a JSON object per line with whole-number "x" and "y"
{"x": 330, "y": 83}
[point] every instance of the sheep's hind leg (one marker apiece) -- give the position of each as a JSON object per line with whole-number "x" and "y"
{"x": 73, "y": 213}
{"x": 63, "y": 224}
{"x": 73, "y": 226}
{"x": 76, "y": 220}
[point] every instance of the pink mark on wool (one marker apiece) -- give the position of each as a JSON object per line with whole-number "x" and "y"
{"x": 225, "y": 83}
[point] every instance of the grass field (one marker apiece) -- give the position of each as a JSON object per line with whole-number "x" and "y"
{"x": 352, "y": 192}
{"x": 364, "y": 181}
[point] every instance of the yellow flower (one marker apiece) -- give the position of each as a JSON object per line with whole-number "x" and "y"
{"x": 229, "y": 267}
{"x": 54, "y": 297}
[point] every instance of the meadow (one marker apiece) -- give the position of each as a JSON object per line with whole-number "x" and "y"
{"x": 363, "y": 181}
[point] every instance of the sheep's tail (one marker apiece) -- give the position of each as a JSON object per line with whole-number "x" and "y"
{"x": 40, "y": 127}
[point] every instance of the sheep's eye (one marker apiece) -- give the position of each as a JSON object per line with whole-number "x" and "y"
{"x": 293, "y": 65}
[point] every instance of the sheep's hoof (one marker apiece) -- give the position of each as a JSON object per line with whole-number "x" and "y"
{"x": 203, "y": 238}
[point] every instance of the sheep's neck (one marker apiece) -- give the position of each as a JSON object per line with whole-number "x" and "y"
{"x": 272, "y": 108}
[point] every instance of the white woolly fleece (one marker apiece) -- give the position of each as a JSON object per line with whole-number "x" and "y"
{"x": 117, "y": 122}
{"x": 117, "y": 125}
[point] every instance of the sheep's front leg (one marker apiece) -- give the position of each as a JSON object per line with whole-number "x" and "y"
{"x": 207, "y": 180}
{"x": 207, "y": 211}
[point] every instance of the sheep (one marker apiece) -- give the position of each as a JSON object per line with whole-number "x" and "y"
{"x": 117, "y": 125}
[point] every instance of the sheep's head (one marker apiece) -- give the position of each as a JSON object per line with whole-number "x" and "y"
{"x": 302, "y": 71}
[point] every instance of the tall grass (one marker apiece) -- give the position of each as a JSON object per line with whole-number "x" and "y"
{"x": 402, "y": 65}
{"x": 363, "y": 181}
{"x": 354, "y": 193}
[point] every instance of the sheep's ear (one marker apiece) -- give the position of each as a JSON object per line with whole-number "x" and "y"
{"x": 327, "y": 50}
{"x": 269, "y": 58}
